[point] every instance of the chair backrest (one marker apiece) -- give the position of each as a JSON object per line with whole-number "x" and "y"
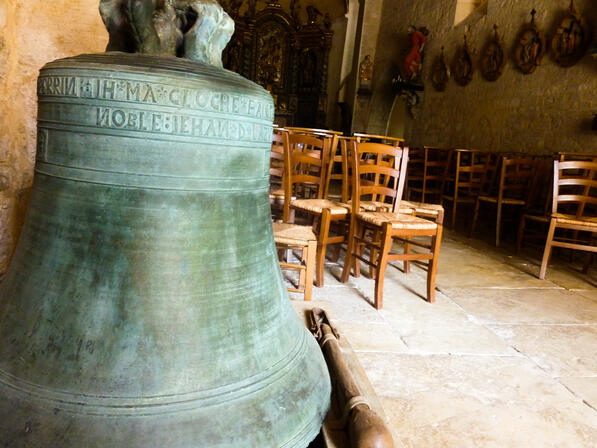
{"x": 575, "y": 184}
{"x": 468, "y": 171}
{"x": 297, "y": 129}
{"x": 539, "y": 201}
{"x": 569, "y": 156}
{"x": 385, "y": 139}
{"x": 435, "y": 168}
{"x": 305, "y": 164}
{"x": 517, "y": 177}
{"x": 436, "y": 160}
{"x": 378, "y": 173}
{"x": 339, "y": 169}
{"x": 276, "y": 158}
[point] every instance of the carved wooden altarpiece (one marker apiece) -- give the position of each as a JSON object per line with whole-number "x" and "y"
{"x": 289, "y": 59}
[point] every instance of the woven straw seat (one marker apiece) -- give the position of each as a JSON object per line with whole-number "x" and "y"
{"x": 372, "y": 206}
{"x": 375, "y": 206}
{"x": 562, "y": 218}
{"x": 290, "y": 237}
{"x": 291, "y": 234}
{"x": 398, "y": 220}
{"x": 422, "y": 208}
{"x": 277, "y": 194}
{"x": 317, "y": 206}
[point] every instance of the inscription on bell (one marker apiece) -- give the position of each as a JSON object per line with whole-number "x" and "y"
{"x": 141, "y": 92}
{"x": 179, "y": 124}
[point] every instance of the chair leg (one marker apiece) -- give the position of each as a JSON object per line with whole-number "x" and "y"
{"x": 358, "y": 249}
{"x": 454, "y": 213}
{"x": 498, "y": 221}
{"x": 310, "y": 264}
{"x": 302, "y": 272}
{"x": 349, "y": 258}
{"x": 587, "y": 263}
{"x": 322, "y": 238}
{"x": 406, "y": 263}
{"x": 373, "y": 254}
{"x": 432, "y": 268}
{"x": 520, "y": 233}
{"x": 384, "y": 252}
{"x": 547, "y": 251}
{"x": 290, "y": 217}
{"x": 475, "y": 216}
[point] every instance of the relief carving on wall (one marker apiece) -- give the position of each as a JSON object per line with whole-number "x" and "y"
{"x": 572, "y": 38}
{"x": 531, "y": 47}
{"x": 440, "y": 74}
{"x": 462, "y": 68}
{"x": 494, "y": 58}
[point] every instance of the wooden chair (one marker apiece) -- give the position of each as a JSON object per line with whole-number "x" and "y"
{"x": 306, "y": 164}
{"x": 276, "y": 172}
{"x": 377, "y": 230}
{"x": 385, "y": 139}
{"x": 426, "y": 173}
{"x": 466, "y": 176}
{"x": 574, "y": 184}
{"x": 535, "y": 217}
{"x": 291, "y": 237}
{"x": 517, "y": 177}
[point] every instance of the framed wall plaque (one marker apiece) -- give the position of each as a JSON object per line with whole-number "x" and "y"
{"x": 462, "y": 68}
{"x": 531, "y": 47}
{"x": 494, "y": 57}
{"x": 572, "y": 38}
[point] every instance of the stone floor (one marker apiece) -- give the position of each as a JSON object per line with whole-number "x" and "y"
{"x": 502, "y": 359}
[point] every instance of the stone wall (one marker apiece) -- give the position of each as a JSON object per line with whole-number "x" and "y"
{"x": 549, "y": 110}
{"x": 32, "y": 32}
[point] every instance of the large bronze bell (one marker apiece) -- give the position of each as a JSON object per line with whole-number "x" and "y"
{"x": 144, "y": 306}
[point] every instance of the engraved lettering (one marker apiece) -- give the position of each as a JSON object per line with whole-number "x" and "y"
{"x": 215, "y": 102}
{"x": 175, "y": 97}
{"x": 180, "y": 124}
{"x": 118, "y": 118}
{"x": 197, "y": 125}
{"x": 133, "y": 91}
{"x": 132, "y": 120}
{"x": 184, "y": 125}
{"x": 156, "y": 122}
{"x": 103, "y": 117}
{"x": 109, "y": 88}
{"x": 149, "y": 93}
{"x": 71, "y": 86}
{"x": 235, "y": 105}
{"x": 202, "y": 100}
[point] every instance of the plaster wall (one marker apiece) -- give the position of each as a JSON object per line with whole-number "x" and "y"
{"x": 549, "y": 110}
{"x": 32, "y": 33}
